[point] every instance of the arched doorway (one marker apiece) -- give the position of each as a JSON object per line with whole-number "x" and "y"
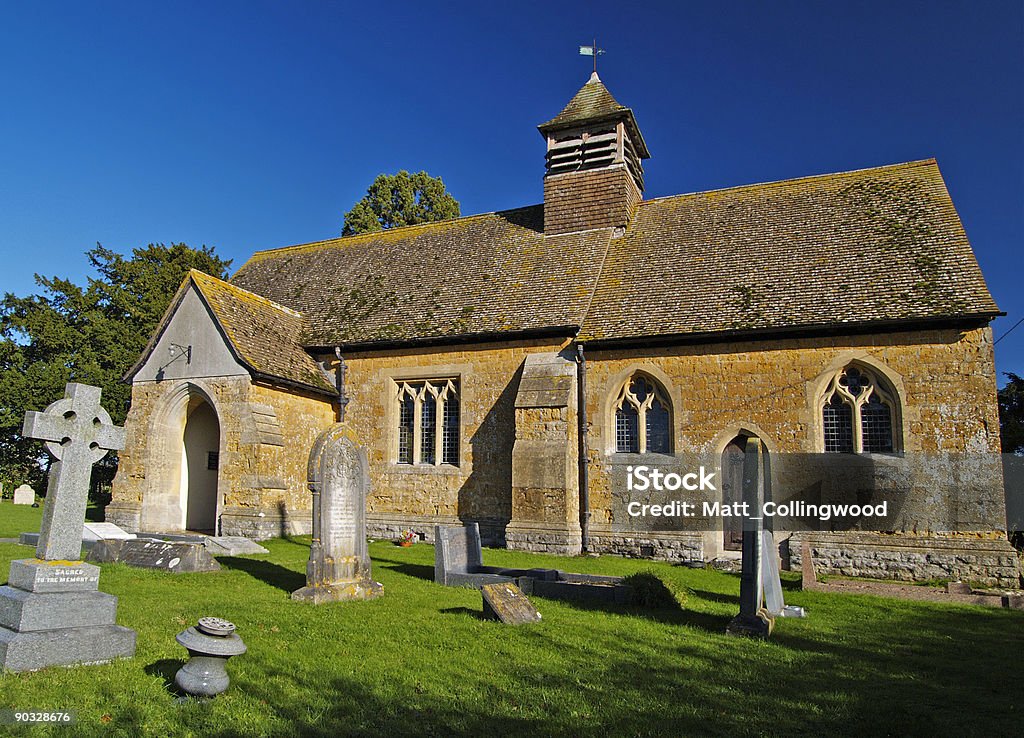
{"x": 200, "y": 462}
{"x": 732, "y": 490}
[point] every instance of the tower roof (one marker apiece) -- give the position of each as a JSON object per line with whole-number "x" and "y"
{"x": 594, "y": 104}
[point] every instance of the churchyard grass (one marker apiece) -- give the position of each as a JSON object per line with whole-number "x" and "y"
{"x": 420, "y": 661}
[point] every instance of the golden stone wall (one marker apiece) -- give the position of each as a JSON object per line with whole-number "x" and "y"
{"x": 419, "y": 496}
{"x": 945, "y": 380}
{"x": 265, "y": 437}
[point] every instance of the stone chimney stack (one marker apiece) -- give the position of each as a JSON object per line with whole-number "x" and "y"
{"x": 594, "y": 177}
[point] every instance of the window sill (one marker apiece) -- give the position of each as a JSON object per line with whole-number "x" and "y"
{"x": 617, "y": 457}
{"x": 433, "y": 469}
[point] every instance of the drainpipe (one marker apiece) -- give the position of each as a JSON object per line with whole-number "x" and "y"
{"x": 339, "y": 383}
{"x": 581, "y": 414}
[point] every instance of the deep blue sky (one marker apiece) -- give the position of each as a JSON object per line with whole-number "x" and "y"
{"x": 251, "y": 125}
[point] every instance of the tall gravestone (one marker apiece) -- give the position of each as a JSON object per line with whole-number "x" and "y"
{"x": 339, "y": 563}
{"x": 753, "y": 619}
{"x": 51, "y": 611}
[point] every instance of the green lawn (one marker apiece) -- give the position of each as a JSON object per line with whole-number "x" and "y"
{"x": 420, "y": 661}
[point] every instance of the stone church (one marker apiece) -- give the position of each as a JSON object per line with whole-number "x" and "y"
{"x": 506, "y": 368}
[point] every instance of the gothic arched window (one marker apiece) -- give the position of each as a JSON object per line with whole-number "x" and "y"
{"x": 858, "y": 413}
{"x": 643, "y": 418}
{"x": 428, "y": 421}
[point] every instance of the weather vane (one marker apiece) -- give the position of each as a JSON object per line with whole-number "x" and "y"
{"x": 592, "y": 51}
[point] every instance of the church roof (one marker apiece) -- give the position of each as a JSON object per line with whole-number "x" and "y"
{"x": 875, "y": 246}
{"x": 263, "y": 336}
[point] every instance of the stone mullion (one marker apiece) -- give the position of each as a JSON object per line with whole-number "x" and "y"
{"x": 641, "y": 428}
{"x": 417, "y": 428}
{"x": 439, "y": 404}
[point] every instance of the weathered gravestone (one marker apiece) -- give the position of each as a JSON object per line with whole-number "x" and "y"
{"x": 753, "y": 619}
{"x": 51, "y": 612}
{"x": 339, "y": 478}
{"x": 507, "y": 603}
{"x": 147, "y": 553}
{"x": 24, "y": 495}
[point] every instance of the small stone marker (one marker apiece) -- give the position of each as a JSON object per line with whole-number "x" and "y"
{"x": 147, "y": 553}
{"x": 51, "y": 612}
{"x": 24, "y": 495}
{"x": 507, "y": 603}
{"x": 339, "y": 563}
{"x": 808, "y": 576}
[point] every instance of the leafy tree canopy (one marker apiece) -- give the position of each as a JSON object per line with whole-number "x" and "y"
{"x": 396, "y": 200}
{"x": 1011, "y": 415}
{"x": 91, "y": 334}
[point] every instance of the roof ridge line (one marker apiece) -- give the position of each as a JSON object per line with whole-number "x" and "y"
{"x": 344, "y": 240}
{"x": 236, "y": 288}
{"x": 899, "y": 165}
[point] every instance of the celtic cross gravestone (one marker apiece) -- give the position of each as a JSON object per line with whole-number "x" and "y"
{"x": 51, "y": 611}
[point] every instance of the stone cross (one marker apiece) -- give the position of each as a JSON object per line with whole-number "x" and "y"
{"x": 753, "y": 620}
{"x": 78, "y": 432}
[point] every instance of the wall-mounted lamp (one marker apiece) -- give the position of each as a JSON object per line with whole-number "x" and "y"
{"x": 177, "y": 351}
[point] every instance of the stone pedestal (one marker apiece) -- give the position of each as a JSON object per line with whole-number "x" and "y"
{"x": 52, "y": 614}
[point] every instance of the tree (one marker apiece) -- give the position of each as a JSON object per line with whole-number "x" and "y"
{"x": 1011, "y": 415}
{"x": 396, "y": 200}
{"x": 90, "y": 334}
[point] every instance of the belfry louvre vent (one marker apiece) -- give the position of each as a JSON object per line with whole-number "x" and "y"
{"x": 593, "y": 150}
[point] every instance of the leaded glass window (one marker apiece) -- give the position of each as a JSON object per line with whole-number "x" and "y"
{"x": 643, "y": 422}
{"x": 858, "y": 413}
{"x": 428, "y": 421}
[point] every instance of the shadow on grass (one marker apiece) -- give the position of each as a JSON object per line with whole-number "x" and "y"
{"x": 477, "y": 614}
{"x": 266, "y": 571}
{"x": 166, "y": 669}
{"x": 419, "y": 571}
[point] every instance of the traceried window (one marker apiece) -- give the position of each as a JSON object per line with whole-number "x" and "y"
{"x": 643, "y": 418}
{"x": 858, "y": 413}
{"x": 428, "y": 421}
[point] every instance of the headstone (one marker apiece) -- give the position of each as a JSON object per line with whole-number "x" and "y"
{"x": 458, "y": 558}
{"x": 24, "y": 495}
{"x": 507, "y": 603}
{"x": 51, "y": 612}
{"x": 146, "y": 553}
{"x": 753, "y": 619}
{"x": 339, "y": 563}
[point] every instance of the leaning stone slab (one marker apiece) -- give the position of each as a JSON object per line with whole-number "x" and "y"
{"x": 507, "y": 603}
{"x": 105, "y": 532}
{"x": 149, "y": 554}
{"x": 233, "y": 546}
{"x": 34, "y": 575}
{"x": 31, "y": 611}
{"x": 64, "y": 647}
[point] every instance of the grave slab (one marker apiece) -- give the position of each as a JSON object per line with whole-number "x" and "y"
{"x": 24, "y": 495}
{"x": 507, "y": 603}
{"x": 145, "y": 553}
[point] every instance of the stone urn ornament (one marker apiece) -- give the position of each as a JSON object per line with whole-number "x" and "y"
{"x": 210, "y": 644}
